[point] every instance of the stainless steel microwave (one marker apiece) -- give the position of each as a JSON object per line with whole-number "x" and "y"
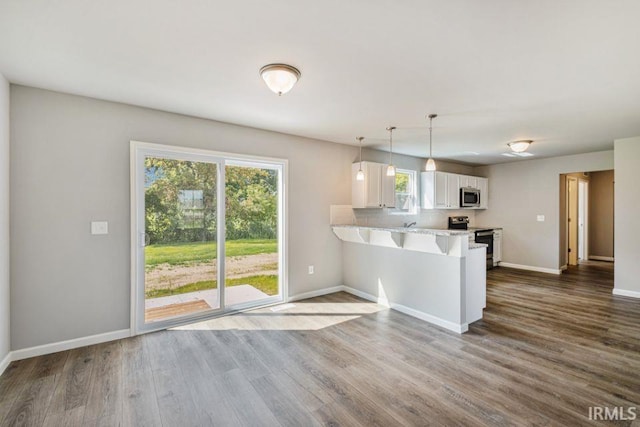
{"x": 469, "y": 197}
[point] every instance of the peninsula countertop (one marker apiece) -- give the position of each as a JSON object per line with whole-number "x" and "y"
{"x": 417, "y": 230}
{"x": 437, "y": 275}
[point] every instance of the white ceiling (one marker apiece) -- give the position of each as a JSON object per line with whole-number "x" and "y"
{"x": 563, "y": 73}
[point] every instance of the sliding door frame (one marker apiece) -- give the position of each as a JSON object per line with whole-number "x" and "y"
{"x": 138, "y": 152}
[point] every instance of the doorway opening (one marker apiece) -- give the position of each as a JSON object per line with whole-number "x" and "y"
{"x": 586, "y": 212}
{"x": 207, "y": 234}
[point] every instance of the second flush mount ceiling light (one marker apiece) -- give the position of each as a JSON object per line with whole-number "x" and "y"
{"x": 520, "y": 146}
{"x": 280, "y": 78}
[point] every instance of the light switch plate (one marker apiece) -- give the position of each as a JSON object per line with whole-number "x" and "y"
{"x": 99, "y": 227}
{"x": 540, "y": 218}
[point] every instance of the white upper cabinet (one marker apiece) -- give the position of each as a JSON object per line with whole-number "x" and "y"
{"x": 376, "y": 191}
{"x": 483, "y": 186}
{"x": 467, "y": 181}
{"x": 388, "y": 194}
{"x": 453, "y": 190}
{"x": 441, "y": 190}
{"x": 435, "y": 188}
{"x": 372, "y": 185}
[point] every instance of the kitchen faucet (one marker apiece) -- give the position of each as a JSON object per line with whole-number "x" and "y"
{"x": 408, "y": 225}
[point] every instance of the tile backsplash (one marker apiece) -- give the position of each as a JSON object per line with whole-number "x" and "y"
{"x": 342, "y": 215}
{"x": 345, "y": 215}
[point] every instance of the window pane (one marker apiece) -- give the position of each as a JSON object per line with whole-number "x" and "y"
{"x": 403, "y": 182}
{"x": 251, "y": 257}
{"x": 405, "y": 191}
{"x": 181, "y": 234}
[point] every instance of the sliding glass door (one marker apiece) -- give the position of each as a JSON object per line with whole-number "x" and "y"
{"x": 252, "y": 247}
{"x": 186, "y": 266}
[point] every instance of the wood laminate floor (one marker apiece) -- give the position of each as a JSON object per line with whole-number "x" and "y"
{"x": 548, "y": 348}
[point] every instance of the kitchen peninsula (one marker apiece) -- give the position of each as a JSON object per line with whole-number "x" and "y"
{"x": 434, "y": 275}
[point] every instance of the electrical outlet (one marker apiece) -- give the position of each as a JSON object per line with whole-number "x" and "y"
{"x": 99, "y": 227}
{"x": 540, "y": 218}
{"x": 311, "y": 269}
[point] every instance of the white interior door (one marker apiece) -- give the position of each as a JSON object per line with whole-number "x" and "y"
{"x": 582, "y": 219}
{"x": 572, "y": 219}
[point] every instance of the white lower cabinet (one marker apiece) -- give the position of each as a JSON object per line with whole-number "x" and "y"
{"x": 497, "y": 246}
{"x": 476, "y": 284}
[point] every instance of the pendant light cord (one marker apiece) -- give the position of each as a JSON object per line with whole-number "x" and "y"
{"x": 430, "y": 134}
{"x": 390, "y": 145}
{"x": 431, "y": 117}
{"x": 390, "y": 129}
{"x": 360, "y": 138}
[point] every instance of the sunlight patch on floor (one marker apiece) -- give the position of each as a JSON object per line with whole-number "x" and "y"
{"x": 292, "y": 316}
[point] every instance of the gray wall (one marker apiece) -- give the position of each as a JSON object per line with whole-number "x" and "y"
{"x": 4, "y": 219}
{"x": 601, "y": 217}
{"x": 519, "y": 191}
{"x": 627, "y": 232}
{"x": 70, "y": 165}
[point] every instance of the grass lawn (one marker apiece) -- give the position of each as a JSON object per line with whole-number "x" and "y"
{"x": 267, "y": 284}
{"x": 189, "y": 253}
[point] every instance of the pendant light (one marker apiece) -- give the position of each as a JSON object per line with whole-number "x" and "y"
{"x": 360, "y": 174}
{"x": 431, "y": 164}
{"x": 391, "y": 169}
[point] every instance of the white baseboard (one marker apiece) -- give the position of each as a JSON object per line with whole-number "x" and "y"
{"x": 5, "y": 362}
{"x": 601, "y": 258}
{"x": 531, "y": 268}
{"x": 316, "y": 293}
{"x": 626, "y": 293}
{"x": 368, "y": 297}
{"x": 383, "y": 301}
{"x": 454, "y": 327}
{"x": 69, "y": 344}
{"x": 451, "y": 326}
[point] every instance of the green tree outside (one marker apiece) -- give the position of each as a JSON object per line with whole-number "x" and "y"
{"x": 180, "y": 198}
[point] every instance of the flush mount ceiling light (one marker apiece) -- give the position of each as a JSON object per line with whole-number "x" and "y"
{"x": 280, "y": 78}
{"x": 360, "y": 174}
{"x": 391, "y": 170}
{"x": 431, "y": 164}
{"x": 520, "y": 146}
